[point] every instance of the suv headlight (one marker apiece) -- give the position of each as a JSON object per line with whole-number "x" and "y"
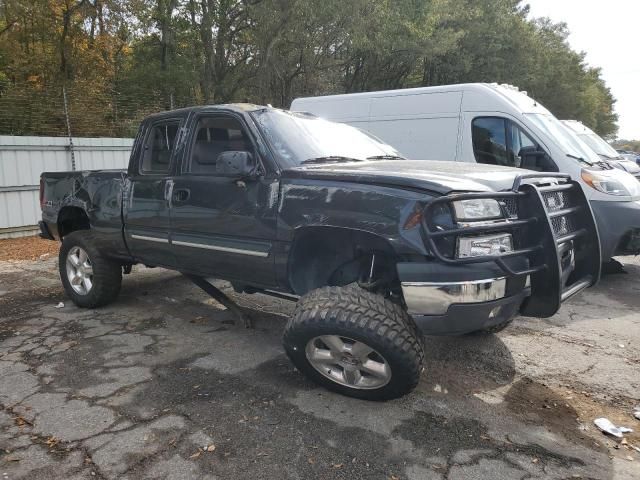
{"x": 475, "y": 209}
{"x": 484, "y": 245}
{"x": 604, "y": 184}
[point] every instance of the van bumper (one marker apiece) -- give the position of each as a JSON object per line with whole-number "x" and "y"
{"x": 618, "y": 227}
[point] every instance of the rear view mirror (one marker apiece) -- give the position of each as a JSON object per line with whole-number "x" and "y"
{"x": 533, "y": 158}
{"x": 236, "y": 163}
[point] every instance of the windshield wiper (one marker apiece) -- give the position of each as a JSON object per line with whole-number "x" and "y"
{"x": 386, "y": 157}
{"x": 330, "y": 159}
{"x": 580, "y": 159}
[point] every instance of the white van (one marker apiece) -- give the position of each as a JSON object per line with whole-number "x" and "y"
{"x": 494, "y": 124}
{"x": 602, "y": 148}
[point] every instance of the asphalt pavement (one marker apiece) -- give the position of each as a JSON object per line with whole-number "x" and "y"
{"x": 165, "y": 384}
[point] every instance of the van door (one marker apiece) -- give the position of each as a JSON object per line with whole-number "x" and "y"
{"x": 498, "y": 140}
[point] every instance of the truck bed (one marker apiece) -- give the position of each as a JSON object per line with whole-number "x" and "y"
{"x": 98, "y": 193}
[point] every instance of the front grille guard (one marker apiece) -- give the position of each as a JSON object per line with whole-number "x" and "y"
{"x": 508, "y": 225}
{"x": 561, "y": 261}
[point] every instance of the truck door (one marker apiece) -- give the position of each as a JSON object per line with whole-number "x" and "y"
{"x": 147, "y": 208}
{"x": 223, "y": 226}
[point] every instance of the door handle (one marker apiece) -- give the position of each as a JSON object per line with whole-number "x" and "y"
{"x": 181, "y": 195}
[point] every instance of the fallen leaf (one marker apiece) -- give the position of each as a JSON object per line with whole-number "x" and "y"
{"x": 311, "y": 460}
{"x": 196, "y": 455}
{"x": 20, "y": 420}
{"x": 534, "y": 460}
{"x": 52, "y": 441}
{"x": 338, "y": 465}
{"x": 12, "y": 458}
{"x": 211, "y": 448}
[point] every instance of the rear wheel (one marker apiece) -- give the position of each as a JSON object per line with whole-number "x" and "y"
{"x": 355, "y": 342}
{"x": 89, "y": 279}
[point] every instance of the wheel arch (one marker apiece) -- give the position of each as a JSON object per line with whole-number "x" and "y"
{"x": 72, "y": 218}
{"x": 333, "y": 256}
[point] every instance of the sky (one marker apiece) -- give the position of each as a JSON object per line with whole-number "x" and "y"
{"x": 609, "y": 33}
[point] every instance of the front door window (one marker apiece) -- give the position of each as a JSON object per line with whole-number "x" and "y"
{"x": 499, "y": 141}
{"x": 489, "y": 136}
{"x": 215, "y": 135}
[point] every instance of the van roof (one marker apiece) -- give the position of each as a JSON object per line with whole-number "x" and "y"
{"x": 507, "y": 93}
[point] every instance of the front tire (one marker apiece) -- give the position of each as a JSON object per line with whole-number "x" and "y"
{"x": 355, "y": 342}
{"x": 89, "y": 278}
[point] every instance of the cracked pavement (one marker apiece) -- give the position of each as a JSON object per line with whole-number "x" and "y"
{"x": 164, "y": 384}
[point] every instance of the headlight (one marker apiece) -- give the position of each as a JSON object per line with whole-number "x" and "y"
{"x": 477, "y": 209}
{"x": 604, "y": 184}
{"x": 485, "y": 245}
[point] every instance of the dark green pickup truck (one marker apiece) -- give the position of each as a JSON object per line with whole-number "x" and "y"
{"x": 376, "y": 249}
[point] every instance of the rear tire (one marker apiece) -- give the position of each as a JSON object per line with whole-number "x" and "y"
{"x": 355, "y": 342}
{"x": 89, "y": 278}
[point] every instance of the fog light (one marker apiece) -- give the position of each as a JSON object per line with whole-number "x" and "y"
{"x": 495, "y": 311}
{"x": 485, "y": 245}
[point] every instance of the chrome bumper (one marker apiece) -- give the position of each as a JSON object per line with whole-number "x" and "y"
{"x": 434, "y": 298}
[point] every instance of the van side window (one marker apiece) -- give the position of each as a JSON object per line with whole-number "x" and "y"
{"x": 158, "y": 147}
{"x": 213, "y": 136}
{"x": 518, "y": 141}
{"x": 498, "y": 141}
{"x": 489, "y": 136}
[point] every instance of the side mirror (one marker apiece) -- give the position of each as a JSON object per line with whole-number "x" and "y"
{"x": 237, "y": 163}
{"x": 535, "y": 159}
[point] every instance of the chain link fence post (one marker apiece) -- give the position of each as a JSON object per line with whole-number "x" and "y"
{"x": 66, "y": 116}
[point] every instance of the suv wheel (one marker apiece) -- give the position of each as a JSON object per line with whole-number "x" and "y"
{"x": 355, "y": 342}
{"x": 89, "y": 279}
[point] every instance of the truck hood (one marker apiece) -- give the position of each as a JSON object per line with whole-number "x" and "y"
{"x": 435, "y": 176}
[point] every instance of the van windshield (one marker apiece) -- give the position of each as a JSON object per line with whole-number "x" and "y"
{"x": 300, "y": 137}
{"x": 568, "y": 141}
{"x": 598, "y": 145}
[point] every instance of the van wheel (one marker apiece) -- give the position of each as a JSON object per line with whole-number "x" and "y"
{"x": 89, "y": 279}
{"x": 354, "y": 342}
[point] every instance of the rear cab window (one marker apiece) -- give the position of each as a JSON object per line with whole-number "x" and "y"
{"x": 158, "y": 147}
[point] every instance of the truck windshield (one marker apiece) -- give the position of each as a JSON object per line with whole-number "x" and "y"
{"x": 568, "y": 141}
{"x": 598, "y": 145}
{"x": 300, "y": 137}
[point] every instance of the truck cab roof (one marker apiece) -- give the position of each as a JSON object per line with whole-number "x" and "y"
{"x": 234, "y": 107}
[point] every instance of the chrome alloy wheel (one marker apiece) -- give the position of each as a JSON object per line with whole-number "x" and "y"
{"x": 348, "y": 362}
{"x": 79, "y": 271}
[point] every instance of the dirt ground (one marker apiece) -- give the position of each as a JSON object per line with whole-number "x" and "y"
{"x": 163, "y": 384}
{"x": 26, "y": 248}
